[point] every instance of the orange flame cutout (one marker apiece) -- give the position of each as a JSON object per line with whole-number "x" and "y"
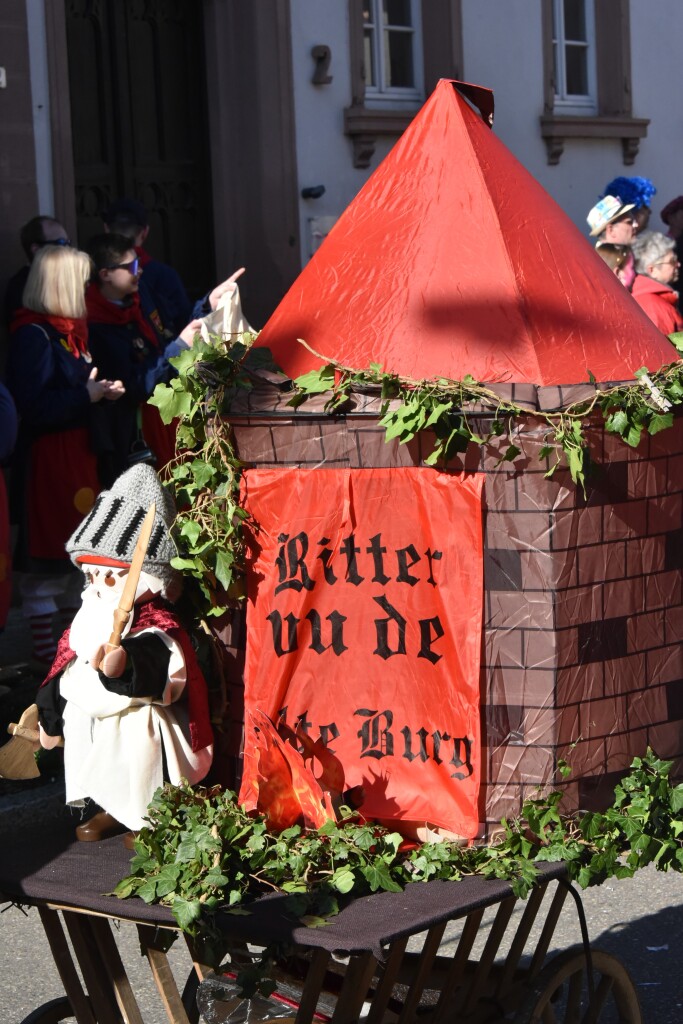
{"x": 288, "y": 792}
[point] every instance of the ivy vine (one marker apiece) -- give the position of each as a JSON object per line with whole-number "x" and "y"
{"x": 206, "y": 472}
{"x": 201, "y": 853}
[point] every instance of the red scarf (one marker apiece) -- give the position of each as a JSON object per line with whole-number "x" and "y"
{"x": 102, "y": 311}
{"x": 143, "y": 256}
{"x": 71, "y": 329}
{"x": 156, "y": 613}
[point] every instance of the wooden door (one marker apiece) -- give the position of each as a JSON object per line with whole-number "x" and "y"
{"x": 139, "y": 120}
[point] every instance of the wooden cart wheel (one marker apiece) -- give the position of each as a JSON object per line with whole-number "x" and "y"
{"x": 559, "y": 994}
{"x": 54, "y": 1012}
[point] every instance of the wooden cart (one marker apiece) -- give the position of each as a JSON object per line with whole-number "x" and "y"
{"x": 437, "y": 952}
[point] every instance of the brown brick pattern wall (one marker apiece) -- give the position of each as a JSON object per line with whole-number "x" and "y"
{"x": 583, "y": 613}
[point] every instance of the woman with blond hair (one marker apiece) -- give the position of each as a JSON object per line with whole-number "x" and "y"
{"x": 54, "y": 478}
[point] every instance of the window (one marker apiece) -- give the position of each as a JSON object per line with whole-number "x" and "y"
{"x": 587, "y": 75}
{"x": 574, "y": 70}
{"x": 392, "y": 53}
{"x": 399, "y": 49}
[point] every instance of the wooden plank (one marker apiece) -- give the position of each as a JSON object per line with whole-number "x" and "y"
{"x": 109, "y": 952}
{"x": 388, "y": 977}
{"x": 95, "y": 971}
{"x": 164, "y": 978}
{"x": 453, "y": 980}
{"x": 312, "y": 986}
{"x": 359, "y": 974}
{"x": 548, "y": 931}
{"x": 533, "y": 905}
{"x": 424, "y": 969}
{"x": 481, "y": 980}
{"x": 61, "y": 954}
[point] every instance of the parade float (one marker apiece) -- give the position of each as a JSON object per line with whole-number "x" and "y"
{"x": 433, "y": 513}
{"x": 467, "y": 514}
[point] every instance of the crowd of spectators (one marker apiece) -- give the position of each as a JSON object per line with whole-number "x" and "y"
{"x": 91, "y": 334}
{"x": 646, "y": 262}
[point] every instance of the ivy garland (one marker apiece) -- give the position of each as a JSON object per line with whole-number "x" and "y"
{"x": 201, "y": 853}
{"x": 206, "y": 472}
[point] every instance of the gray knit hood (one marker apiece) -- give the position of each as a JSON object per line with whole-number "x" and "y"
{"x": 111, "y": 528}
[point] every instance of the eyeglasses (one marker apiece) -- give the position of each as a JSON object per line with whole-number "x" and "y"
{"x": 132, "y": 267}
{"x": 667, "y": 263}
{"x": 57, "y": 241}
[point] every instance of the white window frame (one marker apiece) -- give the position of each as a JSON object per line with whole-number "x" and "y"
{"x": 568, "y": 103}
{"x": 379, "y": 95}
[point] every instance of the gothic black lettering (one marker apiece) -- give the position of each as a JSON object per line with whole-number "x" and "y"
{"x": 375, "y": 734}
{"x": 402, "y": 556}
{"x": 422, "y": 744}
{"x": 290, "y": 561}
{"x": 427, "y": 639}
{"x": 328, "y": 733}
{"x": 376, "y": 550}
{"x": 432, "y": 556}
{"x": 382, "y": 630}
{"x": 275, "y": 620}
{"x": 462, "y": 755}
{"x": 336, "y": 620}
{"x": 325, "y": 556}
{"x": 349, "y": 549}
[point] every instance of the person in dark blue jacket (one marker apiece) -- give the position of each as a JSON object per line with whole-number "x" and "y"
{"x": 126, "y": 344}
{"x": 36, "y": 233}
{"x": 161, "y": 290}
{"x": 55, "y": 386}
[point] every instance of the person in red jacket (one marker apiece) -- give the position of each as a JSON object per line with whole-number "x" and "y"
{"x": 658, "y": 267}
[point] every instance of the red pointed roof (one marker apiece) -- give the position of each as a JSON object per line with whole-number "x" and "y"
{"x": 452, "y": 260}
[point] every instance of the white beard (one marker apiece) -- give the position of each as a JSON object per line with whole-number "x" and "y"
{"x": 94, "y": 621}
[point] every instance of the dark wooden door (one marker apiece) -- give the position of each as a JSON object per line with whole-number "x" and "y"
{"x": 139, "y": 121}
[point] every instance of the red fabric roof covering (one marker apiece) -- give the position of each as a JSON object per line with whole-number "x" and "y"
{"x": 453, "y": 260}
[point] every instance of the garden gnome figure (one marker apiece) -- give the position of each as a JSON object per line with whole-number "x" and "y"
{"x": 137, "y": 715}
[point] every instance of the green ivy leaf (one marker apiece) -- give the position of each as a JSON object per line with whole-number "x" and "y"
{"x": 186, "y": 912}
{"x": 511, "y": 453}
{"x": 660, "y": 421}
{"x": 224, "y": 568}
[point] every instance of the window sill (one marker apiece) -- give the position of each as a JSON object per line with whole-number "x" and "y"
{"x": 364, "y": 124}
{"x": 555, "y": 129}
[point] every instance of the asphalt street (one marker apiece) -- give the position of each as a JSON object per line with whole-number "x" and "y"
{"x": 639, "y": 920}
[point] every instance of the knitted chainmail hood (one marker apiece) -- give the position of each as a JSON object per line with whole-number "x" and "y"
{"x": 111, "y": 528}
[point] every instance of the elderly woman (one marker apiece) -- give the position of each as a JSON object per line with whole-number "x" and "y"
{"x": 54, "y": 383}
{"x": 657, "y": 269}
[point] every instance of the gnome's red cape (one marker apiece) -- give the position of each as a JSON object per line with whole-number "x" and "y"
{"x": 145, "y": 616}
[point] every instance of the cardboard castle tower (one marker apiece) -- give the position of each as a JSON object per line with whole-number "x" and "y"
{"x": 451, "y": 261}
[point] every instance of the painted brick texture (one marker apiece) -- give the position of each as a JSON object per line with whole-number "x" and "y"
{"x": 583, "y": 611}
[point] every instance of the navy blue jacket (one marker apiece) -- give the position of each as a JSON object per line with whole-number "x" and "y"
{"x": 162, "y": 291}
{"x": 47, "y": 383}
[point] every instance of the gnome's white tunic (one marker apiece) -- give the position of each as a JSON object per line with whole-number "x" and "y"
{"x": 116, "y": 746}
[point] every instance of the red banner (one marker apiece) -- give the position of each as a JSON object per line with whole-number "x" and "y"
{"x": 364, "y": 628}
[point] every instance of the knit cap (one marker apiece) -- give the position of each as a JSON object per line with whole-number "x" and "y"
{"x": 111, "y": 528}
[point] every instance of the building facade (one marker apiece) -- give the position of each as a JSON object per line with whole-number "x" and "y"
{"x": 247, "y": 126}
